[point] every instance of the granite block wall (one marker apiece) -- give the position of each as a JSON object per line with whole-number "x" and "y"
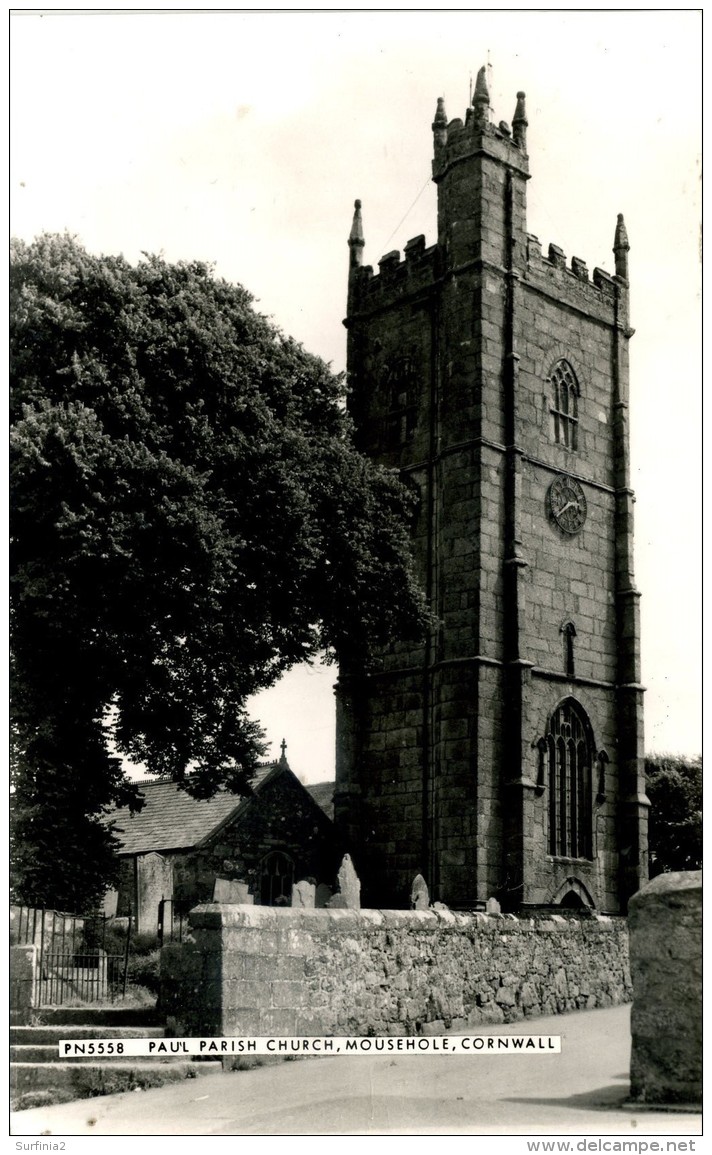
{"x": 666, "y": 966}
{"x": 260, "y": 971}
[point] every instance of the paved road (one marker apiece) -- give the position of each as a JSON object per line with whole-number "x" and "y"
{"x": 577, "y": 1092}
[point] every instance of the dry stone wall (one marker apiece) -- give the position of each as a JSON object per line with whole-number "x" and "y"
{"x": 258, "y": 970}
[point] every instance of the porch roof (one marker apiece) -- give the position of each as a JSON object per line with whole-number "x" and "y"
{"x": 171, "y": 819}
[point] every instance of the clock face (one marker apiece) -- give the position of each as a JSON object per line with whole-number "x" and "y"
{"x": 567, "y": 504}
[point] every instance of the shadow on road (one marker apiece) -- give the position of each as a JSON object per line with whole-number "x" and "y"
{"x": 600, "y": 1099}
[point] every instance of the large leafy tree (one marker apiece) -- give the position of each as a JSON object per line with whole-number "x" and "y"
{"x": 675, "y": 830}
{"x": 189, "y": 520}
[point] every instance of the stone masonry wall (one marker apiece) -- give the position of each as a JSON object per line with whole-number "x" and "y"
{"x": 261, "y": 971}
{"x": 666, "y": 964}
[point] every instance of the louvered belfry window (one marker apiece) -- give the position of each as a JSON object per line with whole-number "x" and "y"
{"x": 402, "y": 401}
{"x": 564, "y": 409}
{"x": 570, "y": 755}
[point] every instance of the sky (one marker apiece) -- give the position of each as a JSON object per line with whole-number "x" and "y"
{"x": 243, "y": 138}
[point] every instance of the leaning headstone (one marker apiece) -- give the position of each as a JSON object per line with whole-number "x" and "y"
{"x": 303, "y": 894}
{"x": 323, "y": 895}
{"x": 492, "y": 906}
{"x": 349, "y": 892}
{"x": 232, "y": 890}
{"x": 419, "y": 897}
{"x": 665, "y": 926}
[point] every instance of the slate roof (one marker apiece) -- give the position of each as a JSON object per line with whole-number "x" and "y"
{"x": 173, "y": 820}
{"x": 323, "y": 795}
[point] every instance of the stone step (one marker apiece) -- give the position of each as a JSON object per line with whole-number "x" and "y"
{"x": 66, "y": 1081}
{"x": 52, "y": 1033}
{"x": 99, "y": 1016}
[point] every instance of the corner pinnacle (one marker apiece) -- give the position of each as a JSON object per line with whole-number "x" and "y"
{"x": 480, "y": 101}
{"x": 356, "y": 241}
{"x": 520, "y": 122}
{"x": 621, "y": 248}
{"x": 440, "y": 125}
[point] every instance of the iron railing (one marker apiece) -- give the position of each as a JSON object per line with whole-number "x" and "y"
{"x": 73, "y": 964}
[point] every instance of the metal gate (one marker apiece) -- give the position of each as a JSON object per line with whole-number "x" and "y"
{"x": 72, "y": 964}
{"x": 172, "y": 922}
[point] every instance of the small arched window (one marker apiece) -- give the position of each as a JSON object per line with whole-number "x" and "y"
{"x": 564, "y": 404}
{"x": 569, "y": 756}
{"x": 569, "y": 633}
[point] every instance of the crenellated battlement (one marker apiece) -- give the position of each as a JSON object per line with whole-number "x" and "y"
{"x": 571, "y": 282}
{"x": 399, "y": 275}
{"x": 481, "y": 170}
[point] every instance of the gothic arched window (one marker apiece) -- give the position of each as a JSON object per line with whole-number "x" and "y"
{"x": 276, "y": 878}
{"x": 565, "y": 397}
{"x": 569, "y": 754}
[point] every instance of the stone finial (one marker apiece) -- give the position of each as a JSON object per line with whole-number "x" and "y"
{"x": 283, "y": 756}
{"x": 356, "y": 241}
{"x": 621, "y": 249}
{"x": 480, "y": 101}
{"x": 419, "y": 896}
{"x": 440, "y": 125}
{"x": 520, "y": 122}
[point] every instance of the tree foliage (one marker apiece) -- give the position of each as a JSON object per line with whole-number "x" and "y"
{"x": 675, "y": 829}
{"x": 189, "y": 520}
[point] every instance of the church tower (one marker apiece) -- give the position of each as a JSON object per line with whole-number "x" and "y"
{"x": 504, "y": 756}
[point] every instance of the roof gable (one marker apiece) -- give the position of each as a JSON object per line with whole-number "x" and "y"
{"x": 323, "y": 795}
{"x": 172, "y": 819}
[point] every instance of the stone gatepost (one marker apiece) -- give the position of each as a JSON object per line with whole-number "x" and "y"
{"x": 23, "y": 980}
{"x": 665, "y": 924}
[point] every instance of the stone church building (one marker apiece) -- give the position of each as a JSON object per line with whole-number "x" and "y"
{"x": 504, "y": 756}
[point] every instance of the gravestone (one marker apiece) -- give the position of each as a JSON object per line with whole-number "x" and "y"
{"x": 419, "y": 896}
{"x": 110, "y": 904}
{"x": 665, "y": 926}
{"x": 349, "y": 892}
{"x": 323, "y": 895}
{"x": 492, "y": 906}
{"x": 304, "y": 894}
{"x": 154, "y": 881}
{"x": 231, "y": 890}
